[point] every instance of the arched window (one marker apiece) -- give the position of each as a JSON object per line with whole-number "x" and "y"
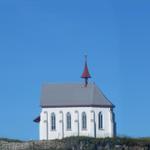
{"x": 68, "y": 121}
{"x": 53, "y": 122}
{"x": 84, "y": 120}
{"x": 100, "y": 120}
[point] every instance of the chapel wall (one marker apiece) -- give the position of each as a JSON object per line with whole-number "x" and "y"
{"x": 76, "y": 128}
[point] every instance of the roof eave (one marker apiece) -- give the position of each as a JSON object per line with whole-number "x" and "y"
{"x": 58, "y": 106}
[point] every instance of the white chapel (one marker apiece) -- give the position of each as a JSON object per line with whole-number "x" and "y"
{"x": 75, "y": 110}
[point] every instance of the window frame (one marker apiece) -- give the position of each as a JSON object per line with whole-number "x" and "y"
{"x": 68, "y": 121}
{"x": 84, "y": 121}
{"x": 100, "y": 121}
{"x": 53, "y": 122}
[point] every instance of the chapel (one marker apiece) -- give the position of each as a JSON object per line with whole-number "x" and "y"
{"x": 75, "y": 109}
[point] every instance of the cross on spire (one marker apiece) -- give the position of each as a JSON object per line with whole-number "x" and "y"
{"x": 86, "y": 74}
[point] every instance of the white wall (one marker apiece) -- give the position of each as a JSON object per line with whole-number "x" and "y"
{"x": 76, "y": 113}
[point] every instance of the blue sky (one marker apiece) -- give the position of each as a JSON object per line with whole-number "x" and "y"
{"x": 45, "y": 41}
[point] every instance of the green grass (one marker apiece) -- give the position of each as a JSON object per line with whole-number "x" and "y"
{"x": 112, "y": 141}
{"x": 116, "y": 140}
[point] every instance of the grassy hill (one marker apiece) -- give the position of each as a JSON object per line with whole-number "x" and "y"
{"x": 78, "y": 143}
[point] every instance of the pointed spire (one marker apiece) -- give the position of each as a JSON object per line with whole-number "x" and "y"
{"x": 86, "y": 73}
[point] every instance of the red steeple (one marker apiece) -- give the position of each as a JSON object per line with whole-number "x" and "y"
{"x": 86, "y": 73}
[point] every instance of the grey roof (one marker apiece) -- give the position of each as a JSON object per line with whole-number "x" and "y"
{"x": 71, "y": 95}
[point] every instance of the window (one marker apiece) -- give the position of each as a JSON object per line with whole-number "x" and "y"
{"x": 100, "y": 120}
{"x": 53, "y": 122}
{"x": 83, "y": 120}
{"x": 68, "y": 121}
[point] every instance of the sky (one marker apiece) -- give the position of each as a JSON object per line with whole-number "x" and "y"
{"x": 45, "y": 42}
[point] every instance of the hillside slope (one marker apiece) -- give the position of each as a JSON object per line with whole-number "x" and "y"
{"x": 78, "y": 143}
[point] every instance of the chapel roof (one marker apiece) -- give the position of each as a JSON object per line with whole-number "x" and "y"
{"x": 73, "y": 95}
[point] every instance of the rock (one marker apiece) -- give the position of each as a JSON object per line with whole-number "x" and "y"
{"x": 77, "y": 143}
